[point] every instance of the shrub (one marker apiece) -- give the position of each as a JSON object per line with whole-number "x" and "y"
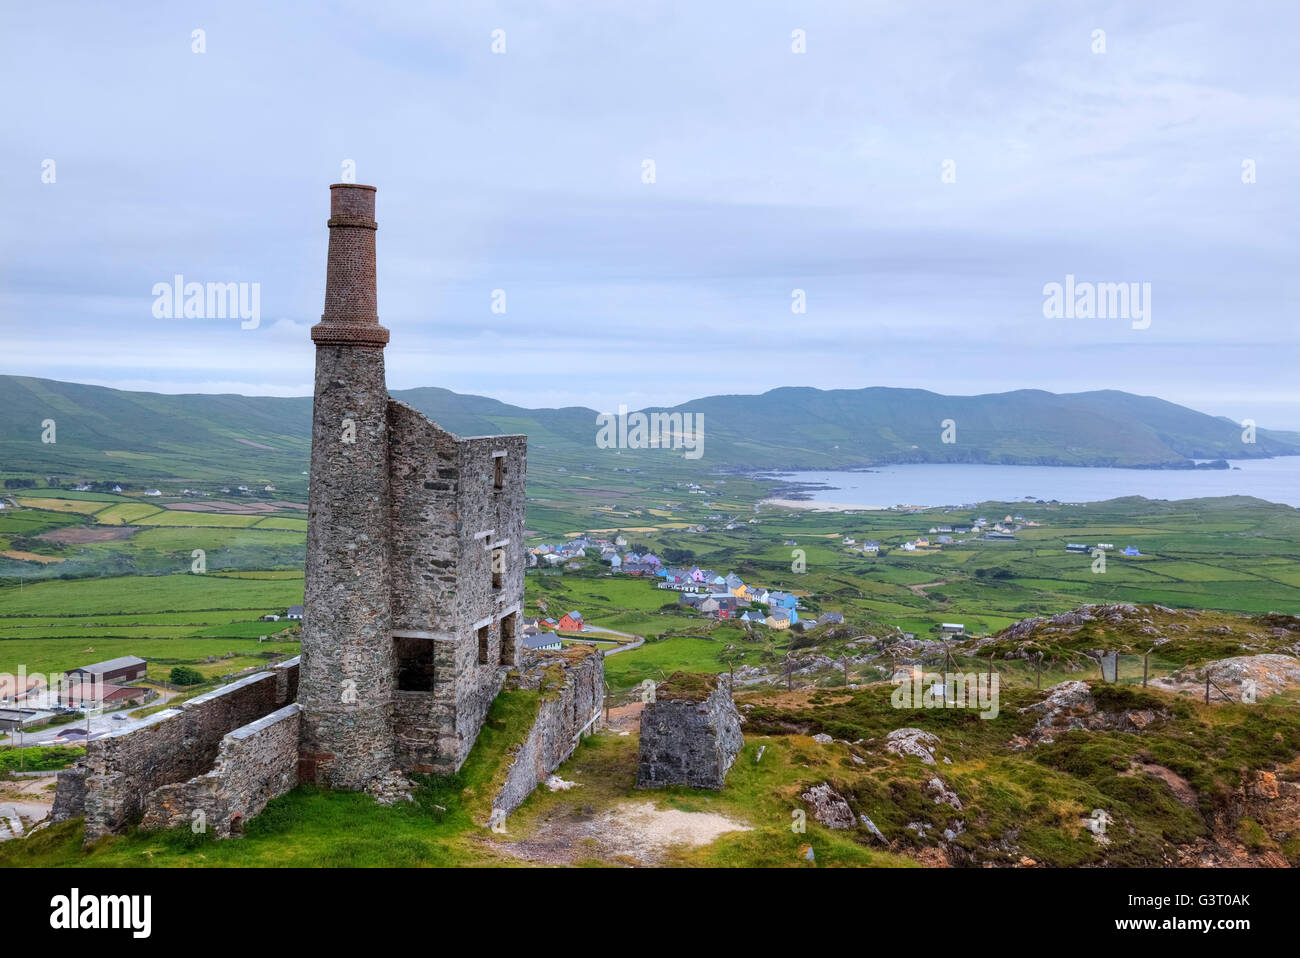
{"x": 184, "y": 675}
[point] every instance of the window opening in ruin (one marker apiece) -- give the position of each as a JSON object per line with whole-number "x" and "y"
{"x": 508, "y": 639}
{"x": 483, "y": 646}
{"x": 498, "y": 567}
{"x": 414, "y": 664}
{"x": 499, "y": 478}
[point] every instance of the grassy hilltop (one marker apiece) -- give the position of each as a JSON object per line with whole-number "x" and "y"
{"x": 152, "y": 438}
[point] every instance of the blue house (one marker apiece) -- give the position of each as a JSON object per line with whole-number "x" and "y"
{"x": 784, "y": 600}
{"x": 1132, "y": 551}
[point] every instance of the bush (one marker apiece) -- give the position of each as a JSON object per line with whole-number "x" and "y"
{"x": 184, "y": 675}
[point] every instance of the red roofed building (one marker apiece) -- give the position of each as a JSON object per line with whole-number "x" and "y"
{"x": 571, "y": 622}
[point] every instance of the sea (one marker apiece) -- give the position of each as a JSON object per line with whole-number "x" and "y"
{"x": 945, "y": 484}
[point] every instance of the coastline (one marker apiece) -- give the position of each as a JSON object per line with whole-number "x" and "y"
{"x": 812, "y": 506}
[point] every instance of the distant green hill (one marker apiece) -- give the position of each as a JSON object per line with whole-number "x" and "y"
{"x": 109, "y": 434}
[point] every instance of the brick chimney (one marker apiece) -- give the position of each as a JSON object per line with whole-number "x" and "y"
{"x": 351, "y": 317}
{"x": 346, "y": 675}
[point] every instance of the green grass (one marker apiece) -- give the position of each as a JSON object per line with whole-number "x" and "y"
{"x": 38, "y": 758}
{"x": 319, "y": 829}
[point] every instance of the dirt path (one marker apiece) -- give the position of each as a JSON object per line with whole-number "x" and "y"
{"x": 630, "y": 833}
{"x": 919, "y": 589}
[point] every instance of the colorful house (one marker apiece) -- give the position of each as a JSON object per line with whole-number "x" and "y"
{"x": 571, "y": 622}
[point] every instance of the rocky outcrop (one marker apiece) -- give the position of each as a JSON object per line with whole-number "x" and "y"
{"x": 1070, "y": 706}
{"x": 912, "y": 741}
{"x": 690, "y": 734}
{"x": 1244, "y": 678}
{"x": 829, "y": 806}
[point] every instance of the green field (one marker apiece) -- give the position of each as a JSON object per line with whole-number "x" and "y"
{"x": 167, "y": 620}
{"x": 1236, "y": 554}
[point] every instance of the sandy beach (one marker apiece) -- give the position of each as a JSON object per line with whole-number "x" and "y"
{"x": 820, "y": 506}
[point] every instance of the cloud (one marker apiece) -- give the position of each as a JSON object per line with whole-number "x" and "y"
{"x": 775, "y": 171}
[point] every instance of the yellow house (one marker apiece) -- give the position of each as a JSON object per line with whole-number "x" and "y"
{"x": 779, "y": 619}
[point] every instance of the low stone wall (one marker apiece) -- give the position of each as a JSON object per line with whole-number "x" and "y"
{"x": 255, "y": 763}
{"x": 566, "y": 713}
{"x": 689, "y": 738}
{"x": 170, "y": 746}
{"x": 70, "y": 793}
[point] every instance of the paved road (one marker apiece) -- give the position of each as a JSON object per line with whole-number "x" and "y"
{"x": 623, "y": 646}
{"x": 99, "y": 724}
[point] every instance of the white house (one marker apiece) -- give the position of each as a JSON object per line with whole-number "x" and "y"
{"x": 541, "y": 642}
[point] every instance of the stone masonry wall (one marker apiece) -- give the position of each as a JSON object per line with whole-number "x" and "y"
{"x": 347, "y": 646}
{"x": 563, "y": 717}
{"x": 255, "y": 763}
{"x": 169, "y": 746}
{"x": 70, "y": 793}
{"x": 687, "y": 741}
{"x": 491, "y": 539}
{"x": 447, "y": 517}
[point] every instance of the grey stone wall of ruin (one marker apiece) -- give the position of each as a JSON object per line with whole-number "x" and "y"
{"x": 347, "y": 648}
{"x": 686, "y": 742}
{"x": 70, "y": 793}
{"x": 447, "y": 518}
{"x": 255, "y": 763}
{"x": 168, "y": 747}
{"x": 562, "y": 720}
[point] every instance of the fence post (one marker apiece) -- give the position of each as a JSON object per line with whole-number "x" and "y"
{"x": 1038, "y": 672}
{"x": 1144, "y": 667}
{"x": 1207, "y": 686}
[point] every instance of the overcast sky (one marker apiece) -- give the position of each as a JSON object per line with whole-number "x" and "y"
{"x": 774, "y": 171}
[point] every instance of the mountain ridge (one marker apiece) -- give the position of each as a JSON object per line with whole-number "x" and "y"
{"x": 111, "y": 432}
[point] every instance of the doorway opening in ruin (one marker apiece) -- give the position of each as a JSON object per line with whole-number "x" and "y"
{"x": 237, "y": 826}
{"x": 499, "y": 479}
{"x": 414, "y": 664}
{"x": 483, "y": 635}
{"x": 508, "y": 639}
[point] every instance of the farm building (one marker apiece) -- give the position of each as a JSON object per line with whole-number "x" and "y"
{"x": 126, "y": 668}
{"x": 571, "y": 622}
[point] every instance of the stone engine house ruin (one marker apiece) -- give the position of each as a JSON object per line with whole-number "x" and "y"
{"x": 412, "y": 610}
{"x": 414, "y": 577}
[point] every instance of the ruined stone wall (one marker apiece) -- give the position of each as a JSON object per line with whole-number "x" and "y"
{"x": 424, "y": 470}
{"x": 70, "y": 793}
{"x": 168, "y": 747}
{"x": 255, "y": 763}
{"x": 689, "y": 741}
{"x": 491, "y": 539}
{"x": 347, "y": 647}
{"x": 447, "y": 516}
{"x": 565, "y": 714}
